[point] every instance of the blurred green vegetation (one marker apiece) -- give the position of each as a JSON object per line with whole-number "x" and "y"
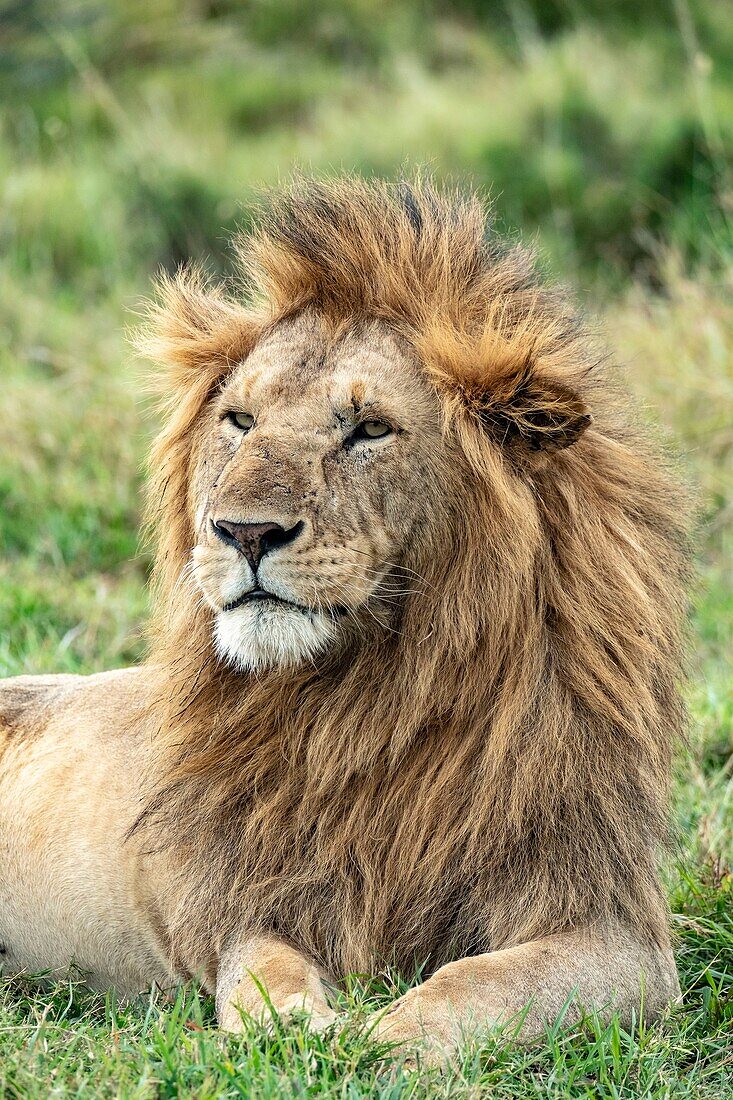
{"x": 133, "y": 134}
{"x": 136, "y": 135}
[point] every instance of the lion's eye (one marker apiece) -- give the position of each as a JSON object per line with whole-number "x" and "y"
{"x": 245, "y": 421}
{"x": 372, "y": 429}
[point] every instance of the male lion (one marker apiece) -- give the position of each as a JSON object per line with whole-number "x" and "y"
{"x": 413, "y": 679}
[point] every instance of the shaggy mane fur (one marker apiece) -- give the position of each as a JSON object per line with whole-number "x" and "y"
{"x": 498, "y": 769}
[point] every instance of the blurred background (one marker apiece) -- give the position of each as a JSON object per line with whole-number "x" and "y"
{"x": 134, "y": 135}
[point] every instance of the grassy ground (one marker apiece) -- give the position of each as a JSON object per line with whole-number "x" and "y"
{"x": 612, "y": 142}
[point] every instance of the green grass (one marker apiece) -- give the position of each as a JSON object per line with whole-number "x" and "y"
{"x": 133, "y": 136}
{"x": 73, "y": 1042}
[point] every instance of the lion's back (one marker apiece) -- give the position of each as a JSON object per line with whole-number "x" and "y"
{"x": 30, "y": 704}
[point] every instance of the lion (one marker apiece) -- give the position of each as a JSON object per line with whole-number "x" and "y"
{"x": 413, "y": 682}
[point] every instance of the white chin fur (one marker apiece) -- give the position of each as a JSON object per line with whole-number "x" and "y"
{"x": 252, "y": 638}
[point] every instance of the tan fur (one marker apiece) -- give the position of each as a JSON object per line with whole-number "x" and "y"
{"x": 266, "y": 965}
{"x": 526, "y": 987}
{"x": 481, "y": 758}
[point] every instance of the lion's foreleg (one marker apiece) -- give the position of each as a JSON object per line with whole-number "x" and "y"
{"x": 537, "y": 983}
{"x": 260, "y": 974}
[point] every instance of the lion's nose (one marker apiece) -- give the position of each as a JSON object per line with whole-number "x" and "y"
{"x": 255, "y": 539}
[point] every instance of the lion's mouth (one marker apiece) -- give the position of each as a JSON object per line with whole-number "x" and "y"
{"x": 261, "y": 595}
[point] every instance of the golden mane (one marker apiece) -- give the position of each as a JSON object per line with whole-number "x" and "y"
{"x": 497, "y": 770}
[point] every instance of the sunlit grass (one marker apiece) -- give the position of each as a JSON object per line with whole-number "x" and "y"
{"x": 69, "y": 1041}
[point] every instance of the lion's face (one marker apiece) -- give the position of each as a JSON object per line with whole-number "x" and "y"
{"x": 316, "y": 463}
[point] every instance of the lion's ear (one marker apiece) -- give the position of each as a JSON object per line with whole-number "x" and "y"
{"x": 533, "y": 411}
{"x": 193, "y": 332}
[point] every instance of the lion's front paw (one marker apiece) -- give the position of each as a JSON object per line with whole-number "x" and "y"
{"x": 416, "y": 1023}
{"x": 320, "y": 1016}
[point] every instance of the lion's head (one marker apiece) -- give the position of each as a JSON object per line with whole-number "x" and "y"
{"x": 349, "y": 420}
{"x": 320, "y": 459}
{"x": 420, "y": 583}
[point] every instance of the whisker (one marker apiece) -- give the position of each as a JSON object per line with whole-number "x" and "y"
{"x": 394, "y": 565}
{"x": 384, "y": 597}
{"x": 365, "y": 605}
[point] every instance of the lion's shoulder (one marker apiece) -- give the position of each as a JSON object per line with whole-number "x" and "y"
{"x": 29, "y": 703}
{"x": 24, "y": 698}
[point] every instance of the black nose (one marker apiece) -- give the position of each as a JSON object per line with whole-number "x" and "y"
{"x": 255, "y": 539}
